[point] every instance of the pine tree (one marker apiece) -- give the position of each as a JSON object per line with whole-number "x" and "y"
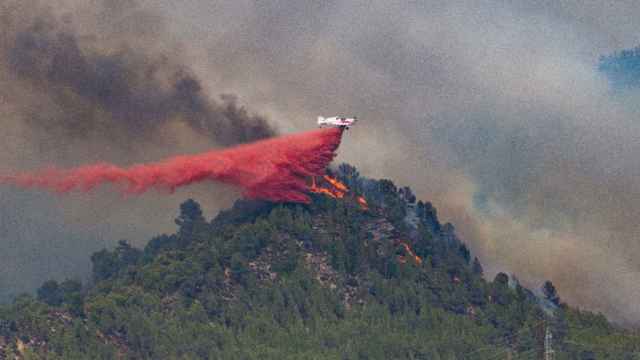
{"x": 477, "y": 267}
{"x": 550, "y": 292}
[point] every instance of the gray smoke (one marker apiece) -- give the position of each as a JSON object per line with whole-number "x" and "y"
{"x": 492, "y": 110}
{"x": 117, "y": 89}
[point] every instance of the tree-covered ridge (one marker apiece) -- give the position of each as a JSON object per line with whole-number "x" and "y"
{"x": 324, "y": 281}
{"x": 622, "y": 68}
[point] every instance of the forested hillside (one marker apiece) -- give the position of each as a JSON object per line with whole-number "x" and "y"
{"x": 335, "y": 279}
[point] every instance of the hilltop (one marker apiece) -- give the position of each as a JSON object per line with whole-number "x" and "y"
{"x": 365, "y": 271}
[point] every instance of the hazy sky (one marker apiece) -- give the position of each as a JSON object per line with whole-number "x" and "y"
{"x": 492, "y": 110}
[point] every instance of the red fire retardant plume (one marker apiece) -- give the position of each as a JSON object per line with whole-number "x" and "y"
{"x": 275, "y": 169}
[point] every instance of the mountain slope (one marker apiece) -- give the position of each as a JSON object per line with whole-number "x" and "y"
{"x": 331, "y": 280}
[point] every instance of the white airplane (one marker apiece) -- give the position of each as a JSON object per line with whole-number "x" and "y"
{"x": 337, "y": 121}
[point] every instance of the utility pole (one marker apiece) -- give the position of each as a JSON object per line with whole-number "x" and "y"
{"x": 548, "y": 349}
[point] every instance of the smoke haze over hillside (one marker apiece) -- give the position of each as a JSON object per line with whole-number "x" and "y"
{"x": 89, "y": 82}
{"x": 494, "y": 112}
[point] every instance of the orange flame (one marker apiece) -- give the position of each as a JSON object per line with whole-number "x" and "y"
{"x": 337, "y": 190}
{"x": 336, "y": 184}
{"x": 407, "y": 248}
{"x": 363, "y": 203}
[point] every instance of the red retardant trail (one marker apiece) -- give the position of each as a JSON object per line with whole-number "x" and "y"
{"x": 275, "y": 169}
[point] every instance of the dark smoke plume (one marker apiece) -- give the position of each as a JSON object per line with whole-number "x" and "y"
{"x": 276, "y": 169}
{"x": 100, "y": 80}
{"x": 494, "y": 111}
{"x": 122, "y": 91}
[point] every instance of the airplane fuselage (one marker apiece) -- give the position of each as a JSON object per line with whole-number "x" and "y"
{"x": 336, "y": 121}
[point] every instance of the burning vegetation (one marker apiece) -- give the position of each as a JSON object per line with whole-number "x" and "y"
{"x": 282, "y": 268}
{"x": 409, "y": 253}
{"x": 335, "y": 188}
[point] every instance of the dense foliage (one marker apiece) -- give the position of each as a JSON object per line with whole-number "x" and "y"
{"x": 324, "y": 281}
{"x": 622, "y": 68}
